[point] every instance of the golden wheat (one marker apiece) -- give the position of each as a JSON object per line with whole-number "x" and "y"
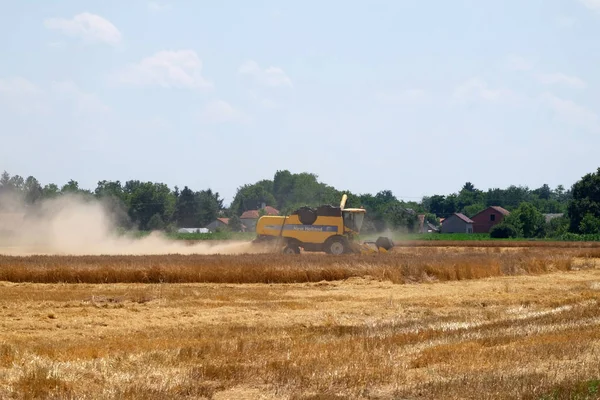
{"x": 401, "y": 266}
{"x": 334, "y": 327}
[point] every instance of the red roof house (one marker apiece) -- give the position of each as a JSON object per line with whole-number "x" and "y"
{"x": 250, "y": 217}
{"x": 255, "y": 214}
{"x": 488, "y": 218}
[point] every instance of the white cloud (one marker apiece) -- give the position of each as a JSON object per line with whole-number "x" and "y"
{"x": 517, "y": 63}
{"x": 82, "y": 102}
{"x": 271, "y": 76}
{"x": 22, "y": 96}
{"x": 182, "y": 69}
{"x": 477, "y": 88}
{"x": 561, "y": 79}
{"x": 571, "y": 112}
{"x": 220, "y": 111}
{"x": 591, "y": 4}
{"x": 158, "y": 6}
{"x": 89, "y": 27}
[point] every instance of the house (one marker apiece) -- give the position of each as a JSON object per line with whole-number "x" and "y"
{"x": 221, "y": 223}
{"x": 217, "y": 223}
{"x": 250, "y": 217}
{"x": 486, "y": 219}
{"x": 457, "y": 223}
{"x": 550, "y": 217}
{"x": 426, "y": 226}
{"x": 193, "y": 230}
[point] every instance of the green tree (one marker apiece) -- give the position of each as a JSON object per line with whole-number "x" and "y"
{"x": 112, "y": 196}
{"x": 235, "y": 224}
{"x": 468, "y": 196}
{"x": 435, "y": 205}
{"x": 187, "y": 209}
{"x": 473, "y": 209}
{"x": 109, "y": 188}
{"x": 70, "y": 187}
{"x": 33, "y": 190}
{"x": 589, "y": 224}
{"x": 156, "y": 223}
{"x": 50, "y": 190}
{"x": 17, "y": 183}
{"x": 145, "y": 199}
{"x": 528, "y": 221}
{"x": 544, "y": 192}
{"x": 283, "y": 186}
{"x": 503, "y": 231}
{"x": 468, "y": 187}
{"x": 251, "y": 197}
{"x": 585, "y": 201}
{"x": 4, "y": 179}
{"x": 557, "y": 227}
{"x": 209, "y": 206}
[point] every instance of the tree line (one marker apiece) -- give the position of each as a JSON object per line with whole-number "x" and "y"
{"x": 152, "y": 205}
{"x": 143, "y": 205}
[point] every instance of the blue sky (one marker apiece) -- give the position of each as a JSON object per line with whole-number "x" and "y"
{"x": 413, "y": 96}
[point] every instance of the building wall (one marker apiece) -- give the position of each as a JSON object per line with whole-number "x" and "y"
{"x": 485, "y": 220}
{"x": 214, "y": 225}
{"x": 453, "y": 224}
{"x": 250, "y": 224}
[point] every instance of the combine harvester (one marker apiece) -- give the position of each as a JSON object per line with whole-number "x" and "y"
{"x": 323, "y": 229}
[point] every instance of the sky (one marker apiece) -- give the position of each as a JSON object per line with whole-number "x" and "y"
{"x": 417, "y": 97}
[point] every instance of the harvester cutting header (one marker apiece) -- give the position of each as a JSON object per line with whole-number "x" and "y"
{"x": 325, "y": 228}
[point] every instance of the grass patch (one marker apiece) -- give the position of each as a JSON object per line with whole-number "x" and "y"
{"x": 588, "y": 390}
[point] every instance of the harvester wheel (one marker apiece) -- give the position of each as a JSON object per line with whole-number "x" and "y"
{"x": 291, "y": 249}
{"x": 336, "y": 246}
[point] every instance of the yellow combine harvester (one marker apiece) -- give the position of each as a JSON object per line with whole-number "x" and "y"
{"x": 325, "y": 228}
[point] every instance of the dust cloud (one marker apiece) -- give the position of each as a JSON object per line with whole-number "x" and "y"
{"x": 72, "y": 225}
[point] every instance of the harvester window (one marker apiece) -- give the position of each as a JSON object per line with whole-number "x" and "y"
{"x": 353, "y": 220}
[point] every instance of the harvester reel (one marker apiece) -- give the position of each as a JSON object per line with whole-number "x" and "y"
{"x": 384, "y": 243}
{"x": 307, "y": 215}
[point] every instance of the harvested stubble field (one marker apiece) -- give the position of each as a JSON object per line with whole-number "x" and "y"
{"x": 420, "y": 322}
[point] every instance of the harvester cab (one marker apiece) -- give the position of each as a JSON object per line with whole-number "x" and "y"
{"x": 325, "y": 228}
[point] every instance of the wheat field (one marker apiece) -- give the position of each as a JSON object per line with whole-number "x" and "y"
{"x": 420, "y": 322}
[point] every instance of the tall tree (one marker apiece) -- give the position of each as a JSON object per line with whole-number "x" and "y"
{"x": 17, "y": 183}
{"x": 70, "y": 187}
{"x": 585, "y": 202}
{"x": 146, "y": 199}
{"x": 283, "y": 185}
{"x": 33, "y": 190}
{"x": 50, "y": 190}
{"x": 186, "y": 209}
{"x": 112, "y": 195}
{"x": 251, "y": 197}
{"x": 209, "y": 206}
{"x": 528, "y": 221}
